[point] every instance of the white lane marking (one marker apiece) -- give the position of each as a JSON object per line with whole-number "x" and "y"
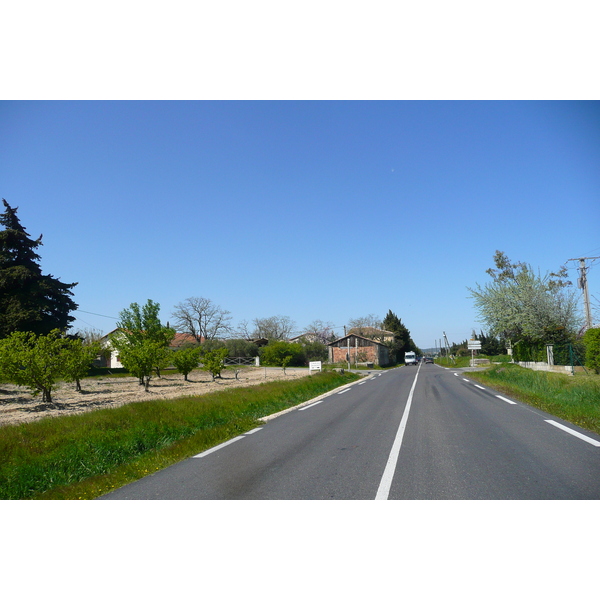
{"x": 386, "y": 481}
{"x": 253, "y": 431}
{"x": 505, "y": 399}
{"x": 585, "y": 438}
{"x": 344, "y": 391}
{"x": 464, "y": 379}
{"x": 455, "y": 374}
{"x": 235, "y": 439}
{"x": 311, "y": 405}
{"x": 481, "y": 388}
{"x": 362, "y": 383}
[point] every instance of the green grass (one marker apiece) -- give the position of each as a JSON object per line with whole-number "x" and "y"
{"x": 84, "y": 456}
{"x": 575, "y": 399}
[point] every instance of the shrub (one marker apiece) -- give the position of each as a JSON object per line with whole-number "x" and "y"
{"x": 591, "y": 340}
{"x": 275, "y": 353}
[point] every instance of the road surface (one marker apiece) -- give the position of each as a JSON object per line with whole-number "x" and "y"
{"x": 410, "y": 433}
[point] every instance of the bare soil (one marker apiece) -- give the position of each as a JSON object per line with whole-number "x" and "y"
{"x": 18, "y": 405}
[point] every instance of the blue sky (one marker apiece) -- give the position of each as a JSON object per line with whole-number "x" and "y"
{"x": 326, "y": 210}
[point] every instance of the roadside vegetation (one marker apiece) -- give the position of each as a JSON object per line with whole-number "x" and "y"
{"x": 87, "y": 455}
{"x": 573, "y": 398}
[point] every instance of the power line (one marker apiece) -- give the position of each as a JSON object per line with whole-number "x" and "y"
{"x": 96, "y": 314}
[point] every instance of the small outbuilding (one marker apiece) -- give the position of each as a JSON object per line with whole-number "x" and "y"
{"x": 357, "y": 349}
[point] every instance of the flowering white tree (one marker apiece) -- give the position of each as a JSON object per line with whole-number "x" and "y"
{"x": 520, "y": 305}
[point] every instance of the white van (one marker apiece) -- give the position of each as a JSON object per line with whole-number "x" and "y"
{"x": 410, "y": 358}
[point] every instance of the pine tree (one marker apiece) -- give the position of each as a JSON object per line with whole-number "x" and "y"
{"x": 29, "y": 300}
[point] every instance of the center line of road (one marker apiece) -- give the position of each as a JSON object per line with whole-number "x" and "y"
{"x": 388, "y": 475}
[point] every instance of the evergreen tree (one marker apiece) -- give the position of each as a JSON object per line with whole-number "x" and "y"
{"x": 402, "y": 341}
{"x": 29, "y": 300}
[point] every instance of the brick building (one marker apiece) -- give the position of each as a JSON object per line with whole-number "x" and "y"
{"x": 358, "y": 349}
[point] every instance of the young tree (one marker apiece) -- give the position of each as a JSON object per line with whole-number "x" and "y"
{"x": 141, "y": 358}
{"x": 77, "y": 358}
{"x": 186, "y": 360}
{"x": 29, "y": 300}
{"x": 214, "y": 362}
{"x": 201, "y": 318}
{"x": 364, "y": 323}
{"x": 33, "y": 361}
{"x": 141, "y": 326}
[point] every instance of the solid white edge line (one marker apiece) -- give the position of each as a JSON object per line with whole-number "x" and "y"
{"x": 383, "y": 491}
{"x": 311, "y": 405}
{"x": 235, "y": 439}
{"x": 585, "y": 438}
{"x": 505, "y": 399}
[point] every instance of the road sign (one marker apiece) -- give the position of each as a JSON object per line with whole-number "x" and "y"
{"x": 474, "y": 345}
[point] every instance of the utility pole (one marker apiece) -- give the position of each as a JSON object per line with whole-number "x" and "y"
{"x": 582, "y": 284}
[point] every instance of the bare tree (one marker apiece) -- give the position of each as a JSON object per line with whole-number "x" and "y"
{"x": 364, "y": 324}
{"x": 321, "y": 331}
{"x": 201, "y": 318}
{"x": 273, "y": 328}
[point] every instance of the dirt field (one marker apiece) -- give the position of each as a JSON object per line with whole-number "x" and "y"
{"x": 17, "y": 405}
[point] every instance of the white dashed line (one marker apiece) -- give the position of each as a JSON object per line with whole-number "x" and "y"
{"x": 480, "y": 387}
{"x": 344, "y": 391}
{"x": 235, "y": 439}
{"x": 505, "y": 399}
{"x": 253, "y": 431}
{"x": 311, "y": 405}
{"x": 585, "y": 438}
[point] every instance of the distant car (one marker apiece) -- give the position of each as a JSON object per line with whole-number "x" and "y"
{"x": 428, "y": 359}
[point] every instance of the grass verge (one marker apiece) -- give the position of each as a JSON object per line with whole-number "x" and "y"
{"x": 87, "y": 455}
{"x": 575, "y": 399}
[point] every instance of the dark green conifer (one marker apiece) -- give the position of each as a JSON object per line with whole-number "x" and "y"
{"x": 29, "y": 300}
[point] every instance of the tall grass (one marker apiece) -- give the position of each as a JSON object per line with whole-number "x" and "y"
{"x": 576, "y": 399}
{"x": 85, "y": 455}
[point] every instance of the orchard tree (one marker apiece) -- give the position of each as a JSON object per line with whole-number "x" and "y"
{"x": 140, "y": 327}
{"x": 201, "y": 318}
{"x": 29, "y": 300}
{"x": 77, "y": 358}
{"x": 213, "y": 361}
{"x": 32, "y": 361}
{"x": 186, "y": 360}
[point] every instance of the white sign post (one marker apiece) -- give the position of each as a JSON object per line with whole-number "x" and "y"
{"x": 472, "y": 346}
{"x": 314, "y": 366}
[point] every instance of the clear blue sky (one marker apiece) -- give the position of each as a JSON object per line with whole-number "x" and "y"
{"x": 326, "y": 210}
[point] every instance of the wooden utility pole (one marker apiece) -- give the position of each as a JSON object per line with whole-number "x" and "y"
{"x": 582, "y": 284}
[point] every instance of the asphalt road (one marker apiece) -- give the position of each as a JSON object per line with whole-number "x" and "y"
{"x": 410, "y": 433}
